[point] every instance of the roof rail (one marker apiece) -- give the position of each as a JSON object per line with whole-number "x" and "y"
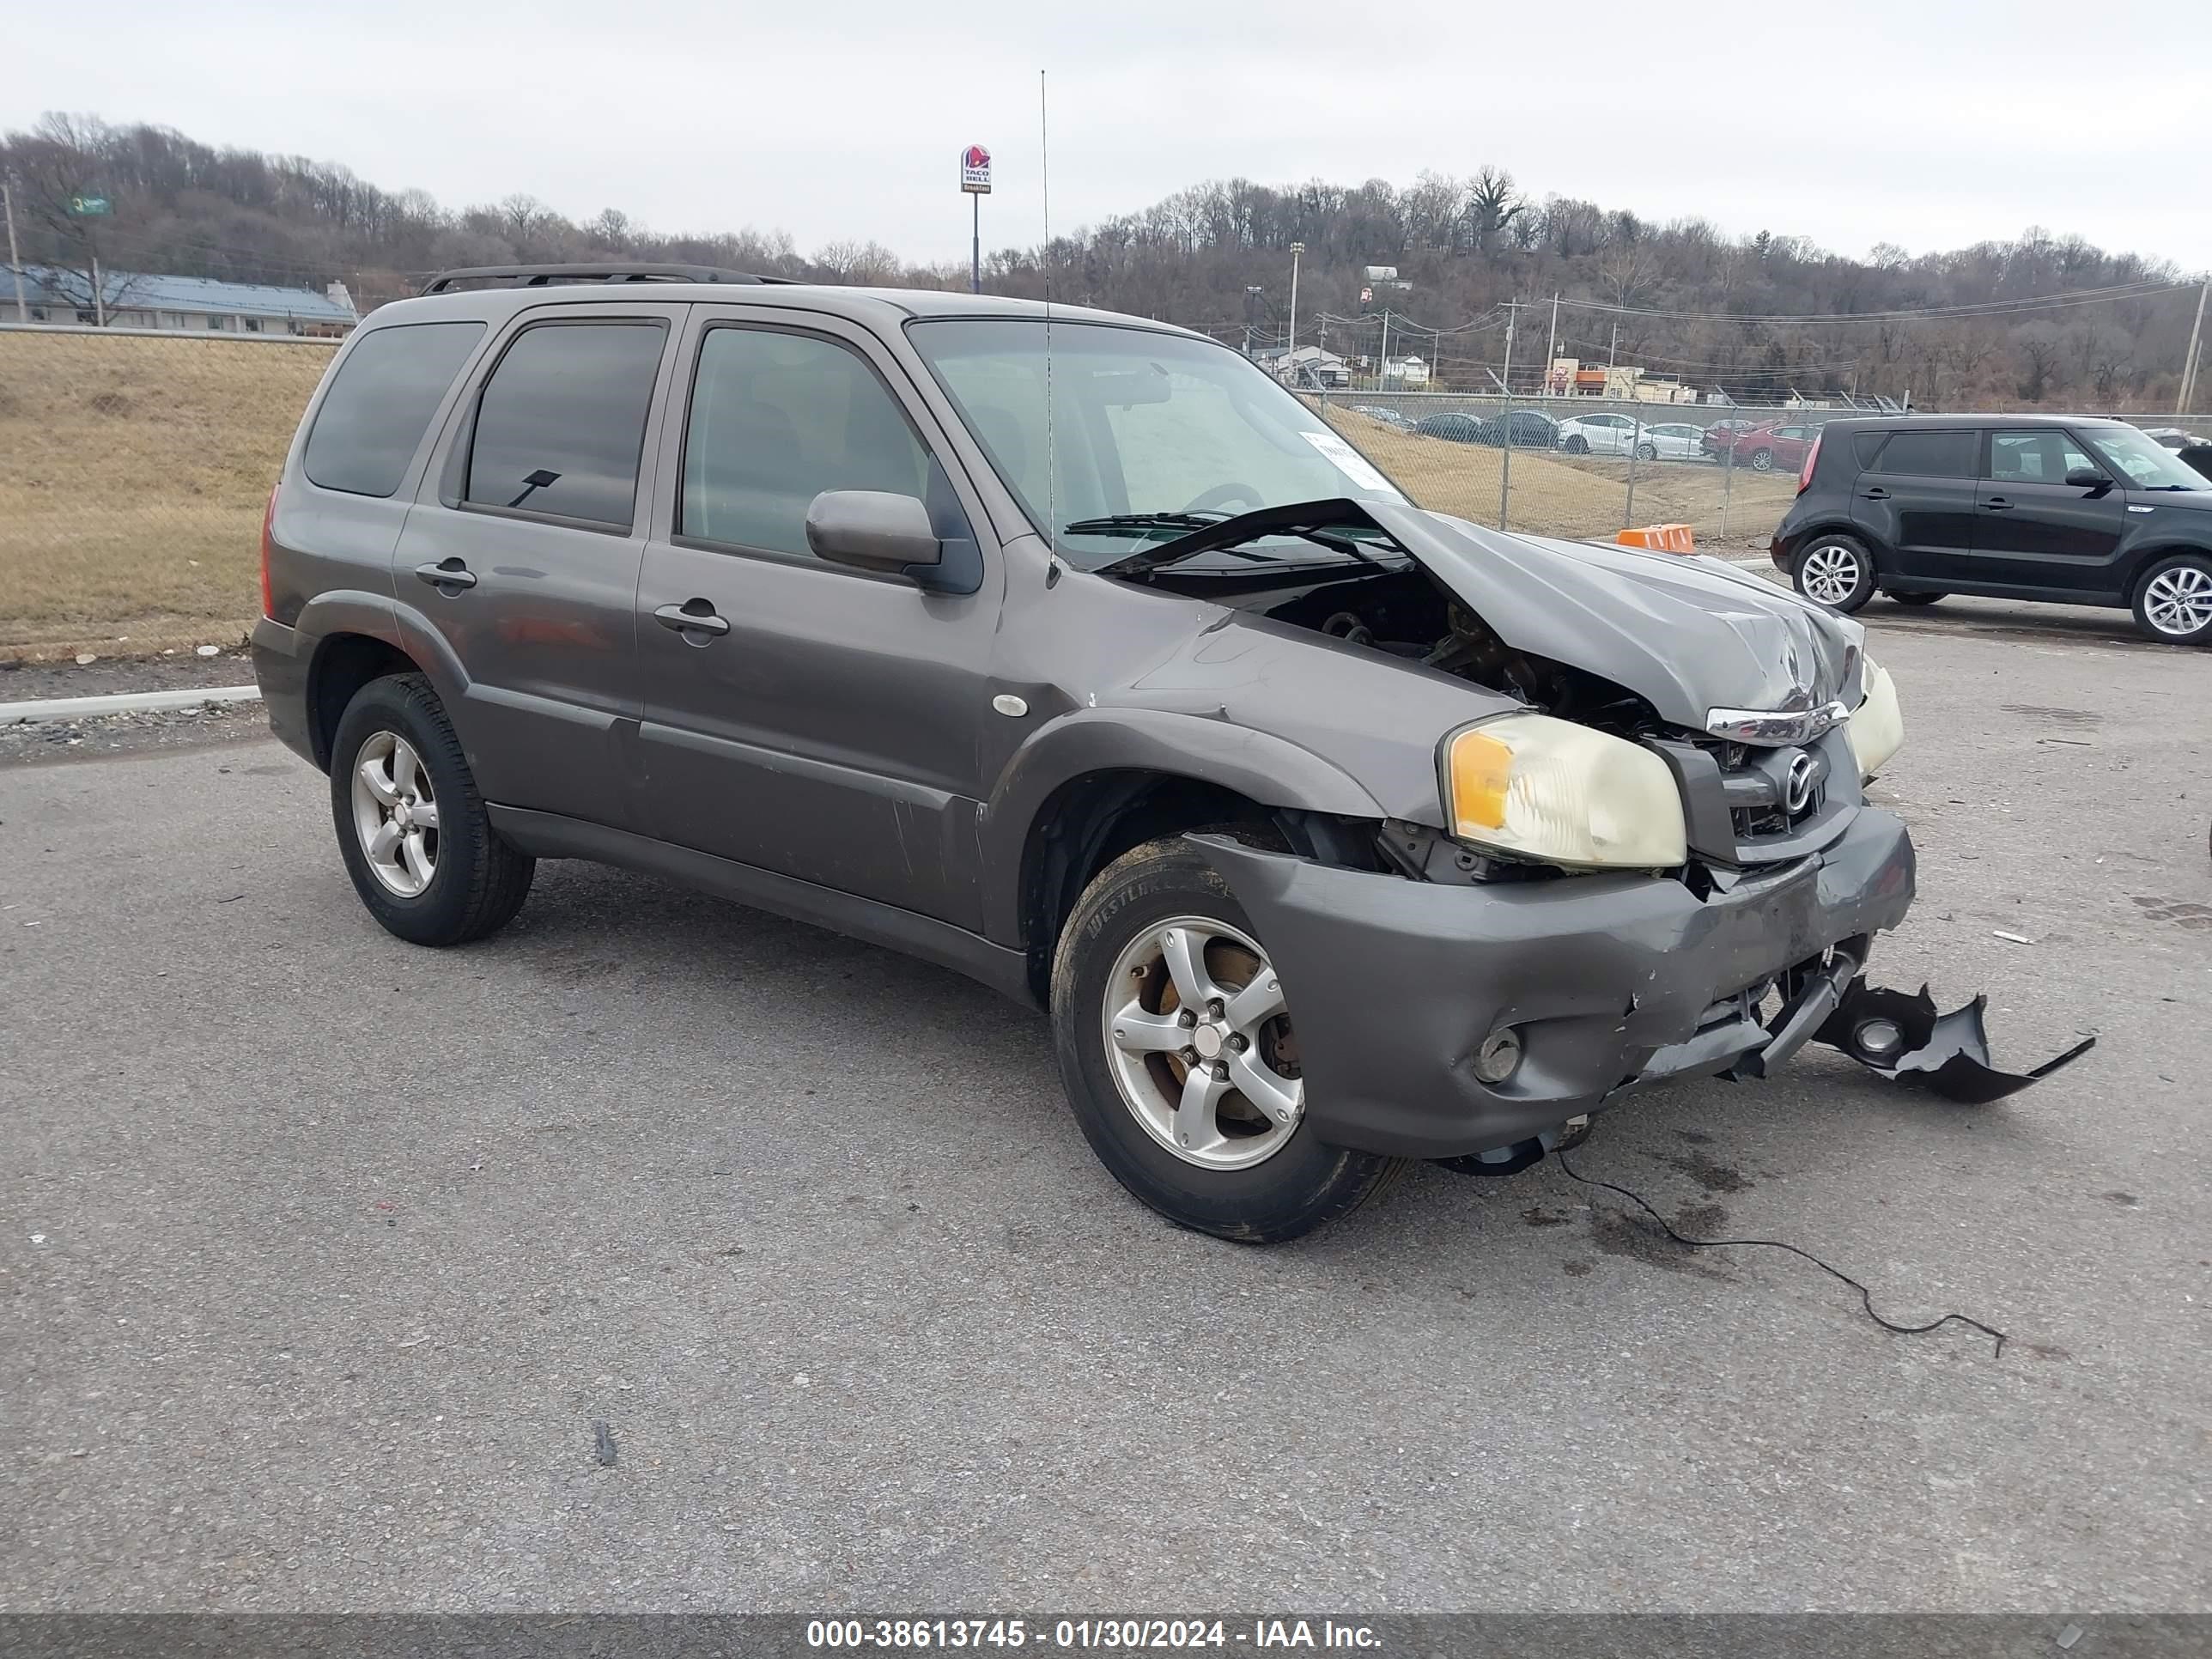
{"x": 617, "y": 272}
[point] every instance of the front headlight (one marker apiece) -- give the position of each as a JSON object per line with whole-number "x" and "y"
{"x": 1547, "y": 789}
{"x": 1877, "y": 726}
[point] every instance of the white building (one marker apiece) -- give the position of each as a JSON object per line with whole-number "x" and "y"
{"x": 133, "y": 299}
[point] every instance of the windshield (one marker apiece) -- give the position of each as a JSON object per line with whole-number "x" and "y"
{"x": 2148, "y": 464}
{"x": 1142, "y": 424}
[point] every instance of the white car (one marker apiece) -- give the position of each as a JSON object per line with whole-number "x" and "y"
{"x": 1598, "y": 434}
{"x": 1672, "y": 441}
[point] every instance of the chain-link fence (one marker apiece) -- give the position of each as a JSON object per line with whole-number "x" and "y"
{"x": 133, "y": 473}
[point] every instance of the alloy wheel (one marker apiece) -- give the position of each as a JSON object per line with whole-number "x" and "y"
{"x": 2178, "y": 601}
{"x": 1829, "y": 574}
{"x": 395, "y": 814}
{"x": 1200, "y": 1044}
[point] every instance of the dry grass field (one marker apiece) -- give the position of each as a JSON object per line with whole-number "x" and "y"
{"x": 1571, "y": 495}
{"x": 133, "y": 472}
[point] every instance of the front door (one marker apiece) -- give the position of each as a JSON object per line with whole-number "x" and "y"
{"x": 2034, "y": 529}
{"x": 524, "y": 546}
{"x": 1916, "y": 503}
{"x": 802, "y": 717}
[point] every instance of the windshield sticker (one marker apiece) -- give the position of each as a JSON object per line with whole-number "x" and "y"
{"x": 1351, "y": 463}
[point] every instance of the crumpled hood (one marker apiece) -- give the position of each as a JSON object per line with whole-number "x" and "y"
{"x": 1687, "y": 635}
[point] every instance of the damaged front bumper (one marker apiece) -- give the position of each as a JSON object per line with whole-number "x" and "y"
{"x": 1609, "y": 982}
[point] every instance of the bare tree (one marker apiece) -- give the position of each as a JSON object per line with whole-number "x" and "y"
{"x": 1493, "y": 203}
{"x": 2039, "y": 356}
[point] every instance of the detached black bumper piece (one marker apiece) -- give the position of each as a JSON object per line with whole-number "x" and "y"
{"x": 1902, "y": 1036}
{"x": 1609, "y": 982}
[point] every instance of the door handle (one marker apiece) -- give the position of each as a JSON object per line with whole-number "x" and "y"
{"x": 447, "y": 572}
{"x": 684, "y": 620}
{"x": 1877, "y": 494}
{"x": 1997, "y": 504}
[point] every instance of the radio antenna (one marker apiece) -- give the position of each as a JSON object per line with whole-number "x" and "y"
{"x": 1051, "y": 458}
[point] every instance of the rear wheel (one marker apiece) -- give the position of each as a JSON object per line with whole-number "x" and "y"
{"x": 1176, "y": 1048}
{"x": 1918, "y": 599}
{"x": 1835, "y": 572}
{"x": 1647, "y": 451}
{"x": 2173, "y": 602}
{"x": 411, "y": 827}
{"x": 1577, "y": 444}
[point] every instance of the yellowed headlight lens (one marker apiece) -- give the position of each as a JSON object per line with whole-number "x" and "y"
{"x": 1566, "y": 794}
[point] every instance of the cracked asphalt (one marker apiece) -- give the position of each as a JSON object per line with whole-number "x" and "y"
{"x": 322, "y": 1257}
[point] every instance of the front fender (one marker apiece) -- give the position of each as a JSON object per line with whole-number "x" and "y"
{"x": 1269, "y": 769}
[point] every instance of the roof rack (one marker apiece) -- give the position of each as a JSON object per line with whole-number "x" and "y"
{"x": 547, "y": 276}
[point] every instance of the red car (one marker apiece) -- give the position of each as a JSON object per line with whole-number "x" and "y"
{"x": 1763, "y": 449}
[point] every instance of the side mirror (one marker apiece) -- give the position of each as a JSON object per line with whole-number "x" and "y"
{"x": 2085, "y": 478}
{"x": 871, "y": 530}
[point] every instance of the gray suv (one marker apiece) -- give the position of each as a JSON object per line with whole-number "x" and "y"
{"x": 1070, "y": 651}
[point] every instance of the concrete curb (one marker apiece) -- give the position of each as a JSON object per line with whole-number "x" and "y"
{"x": 121, "y": 702}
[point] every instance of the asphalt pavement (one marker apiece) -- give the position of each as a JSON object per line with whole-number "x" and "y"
{"x": 321, "y": 1256}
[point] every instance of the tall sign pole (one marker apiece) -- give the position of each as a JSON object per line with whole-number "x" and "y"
{"x": 976, "y": 184}
{"x": 1297, "y": 248}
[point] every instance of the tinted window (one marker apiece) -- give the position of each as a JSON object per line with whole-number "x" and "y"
{"x": 562, "y": 420}
{"x": 776, "y": 419}
{"x": 1929, "y": 454}
{"x": 2044, "y": 457}
{"x": 375, "y": 414}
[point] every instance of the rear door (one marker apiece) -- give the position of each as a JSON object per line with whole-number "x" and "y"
{"x": 1915, "y": 501}
{"x": 805, "y": 718}
{"x": 2034, "y": 529}
{"x": 524, "y": 550}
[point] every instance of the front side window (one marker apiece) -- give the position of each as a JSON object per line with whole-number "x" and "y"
{"x": 776, "y": 419}
{"x": 375, "y": 412}
{"x": 2148, "y": 464}
{"x": 1929, "y": 454}
{"x": 562, "y": 422}
{"x": 2043, "y": 456}
{"x": 1141, "y": 423}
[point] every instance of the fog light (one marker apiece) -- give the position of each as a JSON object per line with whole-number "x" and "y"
{"x": 1499, "y": 1057}
{"x": 1878, "y": 1039}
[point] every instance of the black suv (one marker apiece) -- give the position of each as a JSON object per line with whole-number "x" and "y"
{"x": 2015, "y": 507}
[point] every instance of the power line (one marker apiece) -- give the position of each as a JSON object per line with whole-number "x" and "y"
{"x": 1980, "y": 309}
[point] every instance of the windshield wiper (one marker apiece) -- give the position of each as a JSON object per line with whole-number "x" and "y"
{"x": 1126, "y": 524}
{"x": 1320, "y": 522}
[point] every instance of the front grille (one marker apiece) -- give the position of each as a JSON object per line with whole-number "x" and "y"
{"x": 1757, "y": 784}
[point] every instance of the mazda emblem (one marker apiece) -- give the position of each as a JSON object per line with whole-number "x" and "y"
{"x": 1798, "y": 791}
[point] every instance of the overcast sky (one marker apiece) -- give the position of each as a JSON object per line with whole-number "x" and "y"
{"x": 1928, "y": 123}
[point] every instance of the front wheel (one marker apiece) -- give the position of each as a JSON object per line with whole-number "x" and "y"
{"x": 1178, "y": 1052}
{"x": 1835, "y": 572}
{"x": 412, "y": 827}
{"x": 1762, "y": 461}
{"x": 2173, "y": 602}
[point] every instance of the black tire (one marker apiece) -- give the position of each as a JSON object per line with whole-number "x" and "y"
{"x": 1303, "y": 1185}
{"x": 1762, "y": 461}
{"x": 1576, "y": 444}
{"x": 478, "y": 881}
{"x": 1918, "y": 599}
{"x": 1647, "y": 451}
{"x": 2180, "y": 574}
{"x": 1823, "y": 565}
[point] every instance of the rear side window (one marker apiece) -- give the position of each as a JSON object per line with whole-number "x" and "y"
{"x": 375, "y": 414}
{"x": 562, "y": 422}
{"x": 1930, "y": 454}
{"x": 778, "y": 418}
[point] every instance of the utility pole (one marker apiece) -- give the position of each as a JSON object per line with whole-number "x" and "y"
{"x": 2188, "y": 391}
{"x": 1383, "y": 357}
{"x": 1552, "y": 346}
{"x": 98, "y": 296}
{"x": 1505, "y": 453}
{"x": 1297, "y": 248}
{"x": 15, "y": 260}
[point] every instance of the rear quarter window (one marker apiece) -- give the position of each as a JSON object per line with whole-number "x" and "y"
{"x": 377, "y": 409}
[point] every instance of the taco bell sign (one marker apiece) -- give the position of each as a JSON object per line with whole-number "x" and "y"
{"x": 976, "y": 170}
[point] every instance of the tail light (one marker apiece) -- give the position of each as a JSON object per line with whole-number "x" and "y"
{"x": 268, "y": 525}
{"x": 1812, "y": 458}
